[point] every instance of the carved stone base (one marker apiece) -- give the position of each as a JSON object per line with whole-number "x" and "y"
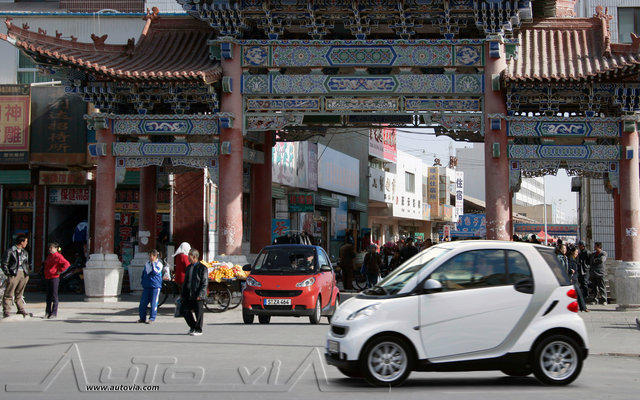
{"x": 103, "y": 278}
{"x": 627, "y": 279}
{"x": 135, "y": 270}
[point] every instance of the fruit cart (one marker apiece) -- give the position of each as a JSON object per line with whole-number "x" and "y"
{"x": 225, "y": 286}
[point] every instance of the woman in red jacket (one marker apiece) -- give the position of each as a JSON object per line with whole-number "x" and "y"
{"x": 181, "y": 260}
{"x": 54, "y": 265}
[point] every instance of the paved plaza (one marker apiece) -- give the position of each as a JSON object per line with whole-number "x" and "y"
{"x": 92, "y": 345}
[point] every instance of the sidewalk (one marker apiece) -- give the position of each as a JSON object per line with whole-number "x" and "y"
{"x": 611, "y": 332}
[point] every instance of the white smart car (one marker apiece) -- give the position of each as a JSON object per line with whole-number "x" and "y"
{"x": 464, "y": 306}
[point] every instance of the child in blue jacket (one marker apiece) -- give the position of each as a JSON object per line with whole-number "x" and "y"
{"x": 151, "y": 285}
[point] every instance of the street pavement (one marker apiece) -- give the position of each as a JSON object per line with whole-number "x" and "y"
{"x": 93, "y": 344}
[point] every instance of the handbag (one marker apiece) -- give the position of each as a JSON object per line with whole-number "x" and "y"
{"x": 178, "y": 312}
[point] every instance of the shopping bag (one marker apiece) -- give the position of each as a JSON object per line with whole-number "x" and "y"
{"x": 178, "y": 312}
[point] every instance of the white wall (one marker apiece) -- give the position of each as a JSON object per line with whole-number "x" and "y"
{"x": 408, "y": 163}
{"x": 471, "y": 162}
{"x": 586, "y": 8}
{"x": 119, "y": 29}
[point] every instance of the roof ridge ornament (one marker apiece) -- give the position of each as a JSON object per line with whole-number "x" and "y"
{"x": 99, "y": 40}
{"x": 604, "y": 17}
{"x": 152, "y": 14}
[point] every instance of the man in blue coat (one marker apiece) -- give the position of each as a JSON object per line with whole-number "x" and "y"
{"x": 151, "y": 285}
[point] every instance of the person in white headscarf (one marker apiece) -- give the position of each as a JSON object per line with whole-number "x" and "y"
{"x": 181, "y": 261}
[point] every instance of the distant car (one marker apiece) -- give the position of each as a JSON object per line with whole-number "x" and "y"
{"x": 290, "y": 280}
{"x": 464, "y": 306}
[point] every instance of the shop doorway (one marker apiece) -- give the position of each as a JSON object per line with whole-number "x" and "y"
{"x": 67, "y": 225}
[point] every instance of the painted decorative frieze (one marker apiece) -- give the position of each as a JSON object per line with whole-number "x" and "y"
{"x": 138, "y": 162}
{"x": 167, "y": 124}
{"x": 174, "y": 149}
{"x": 321, "y": 84}
{"x": 441, "y": 104}
{"x": 587, "y": 168}
{"x": 575, "y": 152}
{"x": 584, "y": 127}
{"x": 362, "y": 104}
{"x": 275, "y": 104}
{"x": 272, "y": 122}
{"x": 346, "y": 54}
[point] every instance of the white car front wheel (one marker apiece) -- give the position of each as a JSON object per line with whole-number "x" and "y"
{"x": 387, "y": 361}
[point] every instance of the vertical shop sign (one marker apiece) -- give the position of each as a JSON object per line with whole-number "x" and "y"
{"x": 339, "y": 217}
{"x": 14, "y": 129}
{"x": 433, "y": 186}
{"x": 459, "y": 194}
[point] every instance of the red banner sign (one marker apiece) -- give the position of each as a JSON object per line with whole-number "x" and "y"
{"x": 14, "y": 129}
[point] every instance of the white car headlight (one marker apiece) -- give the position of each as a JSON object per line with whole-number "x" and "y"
{"x": 306, "y": 282}
{"x": 252, "y": 282}
{"x": 364, "y": 312}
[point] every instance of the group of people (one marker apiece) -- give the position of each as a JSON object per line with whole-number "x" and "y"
{"x": 190, "y": 275}
{"x": 586, "y": 270}
{"x": 377, "y": 262}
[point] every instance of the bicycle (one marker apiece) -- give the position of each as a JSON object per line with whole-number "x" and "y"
{"x": 169, "y": 288}
{"x": 218, "y": 297}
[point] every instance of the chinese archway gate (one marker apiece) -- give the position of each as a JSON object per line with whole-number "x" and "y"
{"x": 207, "y": 92}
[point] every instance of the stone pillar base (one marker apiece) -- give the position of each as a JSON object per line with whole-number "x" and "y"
{"x": 135, "y": 270}
{"x": 627, "y": 279}
{"x": 103, "y": 278}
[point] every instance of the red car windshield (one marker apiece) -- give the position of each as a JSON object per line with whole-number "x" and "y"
{"x": 286, "y": 261}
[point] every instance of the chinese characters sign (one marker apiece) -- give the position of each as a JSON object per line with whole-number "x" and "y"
{"x": 459, "y": 193}
{"x": 471, "y": 225}
{"x": 68, "y": 196}
{"x": 382, "y": 143}
{"x": 58, "y": 130}
{"x": 295, "y": 164}
{"x": 279, "y": 227}
{"x": 62, "y": 178}
{"x": 433, "y": 186}
{"x": 14, "y": 129}
{"x": 301, "y": 202}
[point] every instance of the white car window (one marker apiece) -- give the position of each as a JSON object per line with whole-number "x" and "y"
{"x": 472, "y": 270}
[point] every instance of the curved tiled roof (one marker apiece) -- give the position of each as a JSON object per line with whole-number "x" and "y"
{"x": 169, "y": 49}
{"x": 570, "y": 49}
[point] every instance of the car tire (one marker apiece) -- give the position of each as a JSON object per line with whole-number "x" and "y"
{"x": 516, "y": 372}
{"x": 557, "y": 360}
{"x": 264, "y": 319}
{"x": 349, "y": 372}
{"x": 317, "y": 313}
{"x": 335, "y": 307}
{"x": 247, "y": 317}
{"x": 391, "y": 348}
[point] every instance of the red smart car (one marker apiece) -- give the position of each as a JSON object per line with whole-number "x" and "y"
{"x": 290, "y": 280}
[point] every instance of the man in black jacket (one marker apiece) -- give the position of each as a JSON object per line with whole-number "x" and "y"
{"x": 194, "y": 292}
{"x": 597, "y": 273}
{"x": 583, "y": 268}
{"x": 15, "y": 265}
{"x": 408, "y": 251}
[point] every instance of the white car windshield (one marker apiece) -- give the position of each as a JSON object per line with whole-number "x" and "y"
{"x": 397, "y": 279}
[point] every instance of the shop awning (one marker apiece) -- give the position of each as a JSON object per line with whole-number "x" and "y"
{"x": 358, "y": 206}
{"x": 327, "y": 201}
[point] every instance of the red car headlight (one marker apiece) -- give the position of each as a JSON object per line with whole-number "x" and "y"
{"x": 307, "y": 282}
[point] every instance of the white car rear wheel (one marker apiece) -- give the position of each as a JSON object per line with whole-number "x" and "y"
{"x": 557, "y": 360}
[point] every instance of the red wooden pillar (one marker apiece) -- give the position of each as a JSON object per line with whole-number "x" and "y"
{"x": 147, "y": 208}
{"x": 617, "y": 226}
{"x": 105, "y": 195}
{"x": 630, "y": 196}
{"x": 230, "y": 207}
{"x": 188, "y": 209}
{"x": 261, "y": 199}
{"x": 496, "y": 163}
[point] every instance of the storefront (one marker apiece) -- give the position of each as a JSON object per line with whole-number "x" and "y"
{"x": 67, "y": 220}
{"x": 17, "y": 213}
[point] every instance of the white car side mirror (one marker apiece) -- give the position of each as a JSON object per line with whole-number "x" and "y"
{"x": 431, "y": 286}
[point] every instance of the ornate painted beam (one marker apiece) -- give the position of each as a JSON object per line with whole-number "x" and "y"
{"x": 367, "y": 84}
{"x": 161, "y": 124}
{"x": 174, "y": 149}
{"x": 541, "y": 126}
{"x": 561, "y": 152}
{"x": 358, "y": 53}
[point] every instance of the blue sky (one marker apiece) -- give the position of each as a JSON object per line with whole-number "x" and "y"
{"x": 420, "y": 143}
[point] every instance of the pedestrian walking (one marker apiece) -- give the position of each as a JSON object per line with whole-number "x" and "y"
{"x": 181, "y": 260}
{"x": 151, "y": 284}
{"x": 597, "y": 272}
{"x": 372, "y": 263}
{"x": 15, "y": 265}
{"x": 573, "y": 265}
{"x": 194, "y": 291}
{"x": 561, "y": 254}
{"x": 347, "y": 256}
{"x": 54, "y": 265}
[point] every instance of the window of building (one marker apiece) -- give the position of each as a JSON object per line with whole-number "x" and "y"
{"x": 409, "y": 182}
{"x": 628, "y": 21}
{"x": 28, "y": 71}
